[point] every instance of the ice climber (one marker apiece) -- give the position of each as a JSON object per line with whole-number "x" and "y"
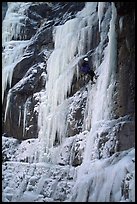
{"x": 85, "y": 69}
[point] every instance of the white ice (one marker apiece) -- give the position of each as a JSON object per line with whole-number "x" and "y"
{"x": 13, "y": 21}
{"x": 61, "y": 67}
{"x": 101, "y": 6}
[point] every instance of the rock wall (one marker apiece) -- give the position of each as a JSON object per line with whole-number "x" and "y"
{"x": 125, "y": 100}
{"x": 4, "y": 9}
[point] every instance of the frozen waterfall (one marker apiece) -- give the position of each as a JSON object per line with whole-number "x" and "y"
{"x": 71, "y": 40}
{"x": 100, "y": 103}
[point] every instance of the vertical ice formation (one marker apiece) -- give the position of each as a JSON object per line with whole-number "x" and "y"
{"x": 100, "y": 106}
{"x": 11, "y": 55}
{"x": 101, "y": 6}
{"x": 7, "y": 104}
{"x": 98, "y": 119}
{"x": 13, "y": 21}
{"x": 26, "y": 115}
{"x": 19, "y": 115}
{"x": 24, "y": 118}
{"x": 100, "y": 103}
{"x": 71, "y": 43}
{"x": 121, "y": 23}
{"x": 12, "y": 49}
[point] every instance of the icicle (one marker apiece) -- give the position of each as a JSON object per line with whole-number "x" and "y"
{"x": 121, "y": 23}
{"x": 25, "y": 115}
{"x": 19, "y": 115}
{"x": 7, "y": 104}
{"x": 12, "y": 54}
{"x": 101, "y": 6}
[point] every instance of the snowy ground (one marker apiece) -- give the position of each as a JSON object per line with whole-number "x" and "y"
{"x": 111, "y": 179}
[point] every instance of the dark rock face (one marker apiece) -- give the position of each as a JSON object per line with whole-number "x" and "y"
{"x": 125, "y": 8}
{"x": 125, "y": 100}
{"x": 4, "y": 9}
{"x": 119, "y": 137}
{"x": 75, "y": 116}
{"x": 126, "y": 60}
{"x": 23, "y": 90}
{"x": 125, "y": 135}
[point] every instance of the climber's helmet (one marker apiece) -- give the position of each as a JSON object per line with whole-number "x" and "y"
{"x": 86, "y": 59}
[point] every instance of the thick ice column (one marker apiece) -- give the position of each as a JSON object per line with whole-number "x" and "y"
{"x": 100, "y": 99}
{"x": 101, "y": 6}
{"x": 60, "y": 68}
{"x": 71, "y": 40}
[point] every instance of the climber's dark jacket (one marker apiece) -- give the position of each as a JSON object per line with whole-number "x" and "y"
{"x": 85, "y": 69}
